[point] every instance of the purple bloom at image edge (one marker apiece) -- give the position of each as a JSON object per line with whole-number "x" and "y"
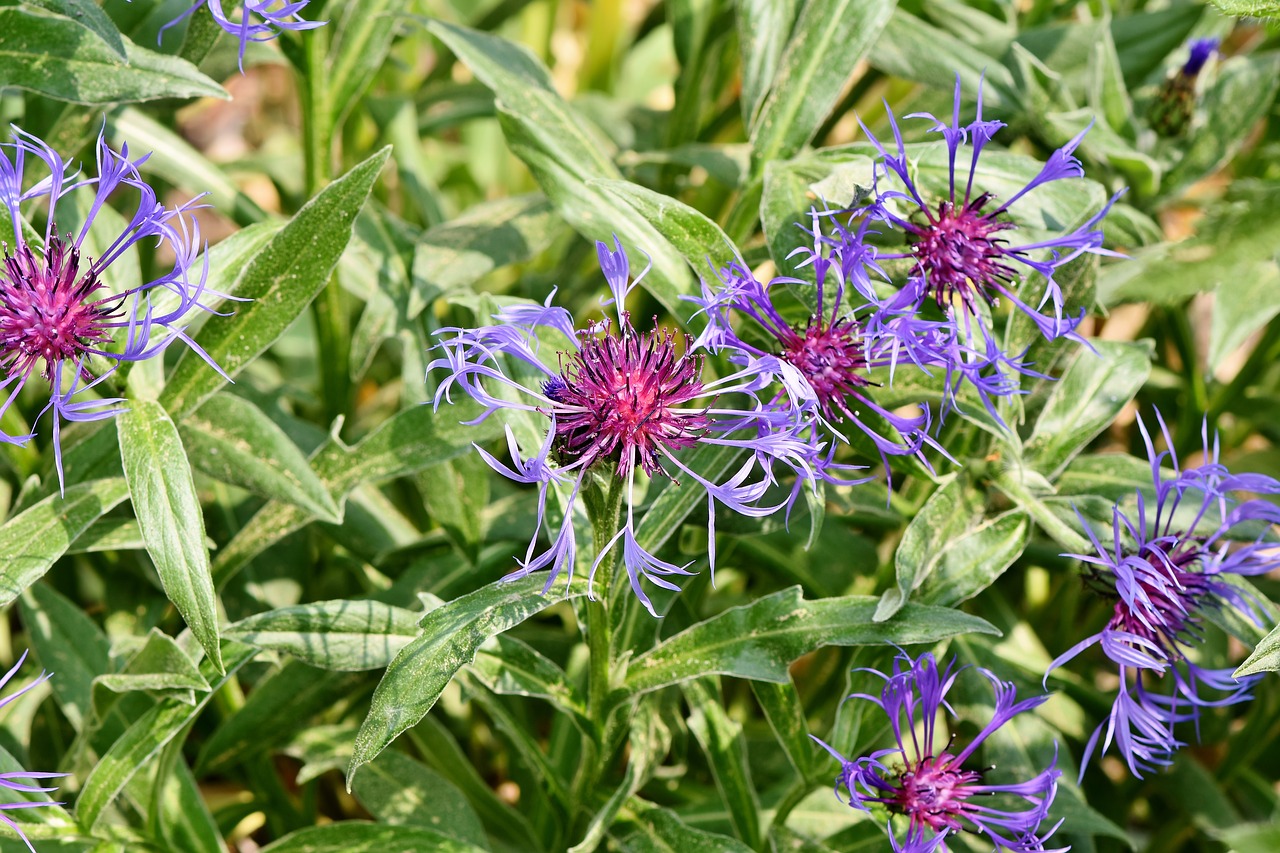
{"x": 20, "y": 780}
{"x": 61, "y": 314}
{"x": 619, "y": 402}
{"x": 921, "y": 778}
{"x": 1163, "y": 568}
{"x": 259, "y": 20}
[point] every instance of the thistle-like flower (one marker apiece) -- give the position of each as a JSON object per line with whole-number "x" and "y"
{"x": 1174, "y": 107}
{"x": 618, "y": 401}
{"x": 921, "y": 778}
{"x": 19, "y": 780}
{"x": 61, "y": 315}
{"x": 259, "y": 20}
{"x": 1163, "y": 568}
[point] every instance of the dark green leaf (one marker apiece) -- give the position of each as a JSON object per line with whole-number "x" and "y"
{"x": 972, "y": 562}
{"x": 726, "y": 751}
{"x": 398, "y": 790}
{"x": 169, "y": 516}
{"x": 89, "y": 15}
{"x": 910, "y": 48}
{"x": 68, "y": 643}
{"x": 656, "y": 830}
{"x": 514, "y": 668}
{"x": 763, "y": 26}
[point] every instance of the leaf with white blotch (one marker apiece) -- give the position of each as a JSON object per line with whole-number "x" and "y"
{"x": 335, "y": 635}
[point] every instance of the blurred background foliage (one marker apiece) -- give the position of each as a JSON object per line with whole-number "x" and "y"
{"x": 520, "y": 131}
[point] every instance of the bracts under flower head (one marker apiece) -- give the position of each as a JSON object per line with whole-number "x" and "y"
{"x": 618, "y": 401}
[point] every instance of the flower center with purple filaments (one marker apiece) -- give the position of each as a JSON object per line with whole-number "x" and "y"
{"x": 830, "y": 357}
{"x": 620, "y": 398}
{"x": 959, "y": 253}
{"x": 46, "y": 311}
{"x": 933, "y": 793}
{"x": 1168, "y": 604}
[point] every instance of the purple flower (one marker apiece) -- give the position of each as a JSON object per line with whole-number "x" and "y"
{"x": 19, "y": 780}
{"x": 259, "y": 20}
{"x": 617, "y": 401}
{"x": 921, "y": 778}
{"x": 1163, "y": 568}
{"x": 1201, "y": 50}
{"x": 61, "y": 315}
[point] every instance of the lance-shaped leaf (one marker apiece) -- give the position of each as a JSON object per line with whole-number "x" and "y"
{"x": 761, "y": 639}
{"x": 726, "y": 750}
{"x": 353, "y": 836}
{"x": 67, "y": 642}
{"x": 169, "y": 516}
{"x": 334, "y": 635}
{"x": 281, "y": 279}
{"x": 689, "y": 232}
{"x": 399, "y": 790}
{"x": 89, "y": 15}
{"x": 1265, "y": 658}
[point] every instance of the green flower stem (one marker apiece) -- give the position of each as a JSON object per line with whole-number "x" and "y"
{"x": 1058, "y": 530}
{"x": 603, "y": 511}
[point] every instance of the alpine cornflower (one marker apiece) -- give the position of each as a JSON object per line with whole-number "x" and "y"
{"x": 1174, "y": 107}
{"x": 259, "y": 20}
{"x": 619, "y": 401}
{"x": 60, "y": 315}
{"x": 19, "y": 780}
{"x": 829, "y": 348}
{"x": 921, "y": 778}
{"x": 1164, "y": 567}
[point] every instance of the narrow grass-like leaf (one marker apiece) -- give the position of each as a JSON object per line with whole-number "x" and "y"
{"x": 281, "y": 279}
{"x": 32, "y": 541}
{"x": 827, "y": 43}
{"x": 761, "y": 639}
{"x": 230, "y": 439}
{"x": 169, "y": 516}
{"x": 147, "y": 736}
{"x": 335, "y": 635}
{"x": 61, "y": 59}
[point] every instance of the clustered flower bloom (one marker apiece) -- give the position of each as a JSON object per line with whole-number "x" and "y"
{"x": 921, "y": 778}
{"x": 258, "y": 21}
{"x": 61, "y": 314}
{"x": 616, "y": 401}
{"x": 1164, "y": 568}
{"x": 20, "y": 780}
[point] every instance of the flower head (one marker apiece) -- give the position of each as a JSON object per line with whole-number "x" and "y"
{"x": 921, "y": 778}
{"x": 1163, "y": 568}
{"x": 62, "y": 317}
{"x": 1173, "y": 109}
{"x": 259, "y": 20}
{"x": 20, "y": 780}
{"x": 1200, "y": 51}
{"x": 616, "y": 401}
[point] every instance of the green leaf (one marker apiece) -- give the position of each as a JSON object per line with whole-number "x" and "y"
{"x": 763, "y": 26}
{"x": 32, "y": 541}
{"x": 1265, "y": 658}
{"x": 281, "y": 279}
{"x": 89, "y": 15}
{"x": 334, "y": 635}
{"x": 450, "y": 637}
{"x": 947, "y": 514}
{"x": 1241, "y": 307}
{"x": 68, "y": 643}
{"x": 457, "y": 493}
{"x": 726, "y": 751}
{"x": 1251, "y": 837}
{"x": 650, "y": 829}
{"x": 514, "y": 668}
{"x": 699, "y": 239}
{"x": 61, "y": 59}
{"x": 145, "y": 739}
{"x": 398, "y": 790}
{"x": 914, "y": 50}
{"x": 1249, "y": 8}
{"x": 169, "y": 516}
{"x": 362, "y": 37}
{"x": 350, "y": 836}
{"x": 1085, "y": 401}
{"x": 649, "y": 740}
{"x": 761, "y": 639}
{"x": 973, "y": 561}
{"x": 159, "y": 665}
{"x": 827, "y": 43}
{"x": 785, "y": 713}
{"x": 230, "y": 439}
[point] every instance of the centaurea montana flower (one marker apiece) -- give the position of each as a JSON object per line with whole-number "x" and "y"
{"x": 921, "y": 778}
{"x": 20, "y": 780}
{"x": 830, "y": 349}
{"x": 959, "y": 247}
{"x": 259, "y": 20}
{"x": 60, "y": 317}
{"x": 621, "y": 401}
{"x": 1164, "y": 567}
{"x": 1174, "y": 107}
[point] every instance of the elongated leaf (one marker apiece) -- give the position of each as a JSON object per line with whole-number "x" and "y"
{"x": 912, "y": 49}
{"x": 1265, "y": 658}
{"x": 282, "y": 279}
{"x": 160, "y": 665}
{"x": 169, "y": 516}
{"x": 230, "y": 439}
{"x": 826, "y": 45}
{"x": 32, "y": 541}
{"x": 60, "y": 58}
{"x": 352, "y": 836}
{"x": 89, "y": 15}
{"x": 67, "y": 642}
{"x": 451, "y": 635}
{"x": 763, "y": 26}
{"x": 690, "y": 233}
{"x": 1085, "y": 401}
{"x": 398, "y": 790}
{"x": 973, "y": 561}
{"x": 335, "y": 635}
{"x": 655, "y": 830}
{"x": 726, "y": 751}
{"x": 1241, "y": 308}
{"x": 759, "y": 640}
{"x": 148, "y": 736}
{"x": 514, "y": 668}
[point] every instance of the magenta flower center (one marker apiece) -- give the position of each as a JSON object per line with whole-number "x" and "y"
{"x": 621, "y": 398}
{"x": 1166, "y": 598}
{"x": 959, "y": 252}
{"x": 46, "y": 311}
{"x": 933, "y": 793}
{"x": 831, "y": 358}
